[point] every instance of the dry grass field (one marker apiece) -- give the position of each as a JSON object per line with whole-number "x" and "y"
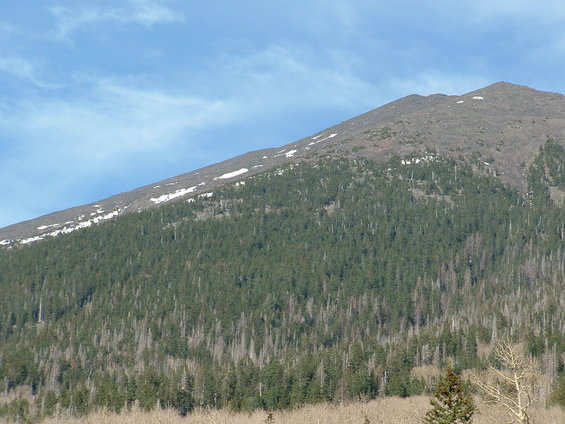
{"x": 380, "y": 411}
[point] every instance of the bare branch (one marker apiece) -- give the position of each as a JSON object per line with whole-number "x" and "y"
{"x": 511, "y": 385}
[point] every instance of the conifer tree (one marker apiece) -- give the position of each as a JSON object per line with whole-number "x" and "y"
{"x": 452, "y": 404}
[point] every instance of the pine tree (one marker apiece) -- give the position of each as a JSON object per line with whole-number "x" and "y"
{"x": 451, "y": 405}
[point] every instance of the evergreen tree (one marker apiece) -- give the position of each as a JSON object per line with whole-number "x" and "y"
{"x": 183, "y": 402}
{"x": 452, "y": 404}
{"x": 557, "y": 396}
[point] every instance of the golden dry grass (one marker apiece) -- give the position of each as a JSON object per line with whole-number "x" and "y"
{"x": 380, "y": 411}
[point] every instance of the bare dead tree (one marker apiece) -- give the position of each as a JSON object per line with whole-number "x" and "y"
{"x": 511, "y": 385}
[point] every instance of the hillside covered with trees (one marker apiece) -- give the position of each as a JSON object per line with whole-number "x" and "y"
{"x": 324, "y": 280}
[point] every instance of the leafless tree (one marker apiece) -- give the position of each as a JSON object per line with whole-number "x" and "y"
{"x": 510, "y": 384}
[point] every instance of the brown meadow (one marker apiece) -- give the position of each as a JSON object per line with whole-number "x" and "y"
{"x": 380, "y": 411}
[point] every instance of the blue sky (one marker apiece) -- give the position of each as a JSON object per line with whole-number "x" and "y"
{"x": 103, "y": 96}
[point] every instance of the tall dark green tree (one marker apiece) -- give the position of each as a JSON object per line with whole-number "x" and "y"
{"x": 452, "y": 404}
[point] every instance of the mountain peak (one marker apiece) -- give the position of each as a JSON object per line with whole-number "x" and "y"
{"x": 503, "y": 124}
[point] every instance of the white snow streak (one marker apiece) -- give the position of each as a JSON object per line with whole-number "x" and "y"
{"x": 322, "y": 139}
{"x": 232, "y": 174}
{"x": 478, "y": 98}
{"x": 290, "y": 153}
{"x": 171, "y": 196}
{"x": 44, "y": 227}
{"x": 31, "y": 239}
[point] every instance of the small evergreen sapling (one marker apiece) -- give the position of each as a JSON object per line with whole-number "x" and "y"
{"x": 452, "y": 404}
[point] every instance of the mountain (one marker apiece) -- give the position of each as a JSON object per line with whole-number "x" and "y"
{"x": 502, "y": 126}
{"x": 351, "y": 264}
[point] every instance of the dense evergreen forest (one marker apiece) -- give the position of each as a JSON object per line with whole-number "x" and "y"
{"x": 325, "y": 280}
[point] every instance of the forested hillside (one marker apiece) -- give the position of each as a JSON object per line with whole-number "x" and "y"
{"x": 324, "y": 280}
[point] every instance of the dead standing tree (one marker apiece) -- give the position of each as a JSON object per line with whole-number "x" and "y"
{"x": 511, "y": 385}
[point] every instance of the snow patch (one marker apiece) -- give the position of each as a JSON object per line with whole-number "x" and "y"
{"x": 171, "y": 196}
{"x": 232, "y": 174}
{"x": 69, "y": 229}
{"x": 209, "y": 194}
{"x": 423, "y": 159}
{"x": 460, "y": 101}
{"x": 44, "y": 227}
{"x": 478, "y": 98}
{"x": 31, "y": 240}
{"x": 5, "y": 242}
{"x": 322, "y": 139}
{"x": 290, "y": 153}
{"x": 105, "y": 217}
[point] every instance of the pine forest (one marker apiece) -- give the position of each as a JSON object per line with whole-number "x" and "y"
{"x": 324, "y": 280}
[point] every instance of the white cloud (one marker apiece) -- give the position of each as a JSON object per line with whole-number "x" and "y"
{"x": 24, "y": 69}
{"x": 282, "y": 78}
{"x": 142, "y": 12}
{"x": 544, "y": 10}
{"x": 286, "y": 77}
{"x": 56, "y": 149}
{"x": 110, "y": 120}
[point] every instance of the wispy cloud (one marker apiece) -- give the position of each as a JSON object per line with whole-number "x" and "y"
{"x": 545, "y": 10}
{"x": 323, "y": 60}
{"x": 142, "y": 12}
{"x": 109, "y": 120}
{"x": 287, "y": 77}
{"x": 60, "y": 150}
{"x": 24, "y": 69}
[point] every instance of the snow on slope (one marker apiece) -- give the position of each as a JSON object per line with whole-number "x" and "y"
{"x": 171, "y": 196}
{"x": 232, "y": 174}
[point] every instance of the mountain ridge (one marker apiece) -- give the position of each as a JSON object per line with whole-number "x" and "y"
{"x": 503, "y": 125}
